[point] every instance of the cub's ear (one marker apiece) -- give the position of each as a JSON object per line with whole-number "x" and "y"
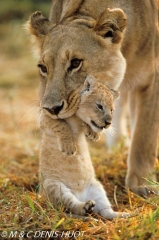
{"x": 88, "y": 84}
{"x": 38, "y": 26}
{"x": 111, "y": 24}
{"x": 116, "y": 94}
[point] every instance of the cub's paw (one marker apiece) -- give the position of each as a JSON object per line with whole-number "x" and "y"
{"x": 93, "y": 136}
{"x": 89, "y": 133}
{"x": 68, "y": 148}
{"x": 124, "y": 215}
{"x": 110, "y": 214}
{"x": 88, "y": 207}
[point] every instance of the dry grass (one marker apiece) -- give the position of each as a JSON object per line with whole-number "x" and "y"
{"x": 21, "y": 209}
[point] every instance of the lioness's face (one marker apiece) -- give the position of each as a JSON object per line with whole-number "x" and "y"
{"x": 69, "y": 53}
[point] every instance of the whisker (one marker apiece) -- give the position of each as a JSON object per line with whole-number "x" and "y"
{"x": 111, "y": 130}
{"x": 114, "y": 129}
{"x": 34, "y": 109}
{"x": 34, "y": 102}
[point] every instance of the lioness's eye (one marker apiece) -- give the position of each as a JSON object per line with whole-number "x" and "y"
{"x": 108, "y": 34}
{"x": 99, "y": 106}
{"x": 43, "y": 69}
{"x": 75, "y": 63}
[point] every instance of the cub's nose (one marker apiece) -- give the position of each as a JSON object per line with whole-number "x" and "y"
{"x": 107, "y": 123}
{"x": 108, "y": 120}
{"x": 56, "y": 109}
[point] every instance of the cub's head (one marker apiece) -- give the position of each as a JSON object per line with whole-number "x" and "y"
{"x": 96, "y": 105}
{"x": 73, "y": 47}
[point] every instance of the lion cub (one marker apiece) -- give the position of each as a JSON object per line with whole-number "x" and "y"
{"x": 70, "y": 180}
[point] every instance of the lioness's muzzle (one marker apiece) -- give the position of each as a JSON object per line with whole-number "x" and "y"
{"x": 56, "y": 109}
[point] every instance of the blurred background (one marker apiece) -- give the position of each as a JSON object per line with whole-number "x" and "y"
{"x": 16, "y": 68}
{"x": 19, "y": 134}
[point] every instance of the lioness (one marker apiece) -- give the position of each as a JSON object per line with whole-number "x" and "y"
{"x": 89, "y": 37}
{"x": 70, "y": 180}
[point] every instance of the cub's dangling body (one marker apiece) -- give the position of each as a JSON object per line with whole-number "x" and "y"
{"x": 66, "y": 170}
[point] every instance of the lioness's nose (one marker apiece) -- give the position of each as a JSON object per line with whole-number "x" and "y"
{"x": 56, "y": 109}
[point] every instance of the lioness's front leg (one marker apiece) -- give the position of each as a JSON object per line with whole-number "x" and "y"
{"x": 144, "y": 137}
{"x": 89, "y": 133}
{"x": 63, "y": 132}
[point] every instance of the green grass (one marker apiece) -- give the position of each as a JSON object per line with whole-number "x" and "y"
{"x": 11, "y": 10}
{"x": 21, "y": 208}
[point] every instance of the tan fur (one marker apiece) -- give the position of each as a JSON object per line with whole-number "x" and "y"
{"x": 70, "y": 180}
{"x": 93, "y": 31}
{"x": 84, "y": 102}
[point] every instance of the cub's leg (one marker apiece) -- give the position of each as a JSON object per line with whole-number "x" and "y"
{"x": 119, "y": 123}
{"x": 62, "y": 131}
{"x": 58, "y": 194}
{"x": 103, "y": 206}
{"x": 89, "y": 133}
{"x": 145, "y": 127}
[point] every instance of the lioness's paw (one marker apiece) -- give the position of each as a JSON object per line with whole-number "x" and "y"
{"x": 68, "y": 148}
{"x": 146, "y": 191}
{"x": 144, "y": 188}
{"x": 88, "y": 207}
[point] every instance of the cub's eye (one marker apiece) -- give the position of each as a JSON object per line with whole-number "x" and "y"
{"x": 99, "y": 106}
{"x": 43, "y": 69}
{"x": 88, "y": 87}
{"x": 75, "y": 64}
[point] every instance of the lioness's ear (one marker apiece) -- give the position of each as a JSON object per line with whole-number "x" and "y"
{"x": 116, "y": 94}
{"x": 62, "y": 9}
{"x": 38, "y": 26}
{"x": 111, "y": 24}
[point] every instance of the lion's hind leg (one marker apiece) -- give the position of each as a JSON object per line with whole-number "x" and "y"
{"x": 59, "y": 195}
{"x": 103, "y": 206}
